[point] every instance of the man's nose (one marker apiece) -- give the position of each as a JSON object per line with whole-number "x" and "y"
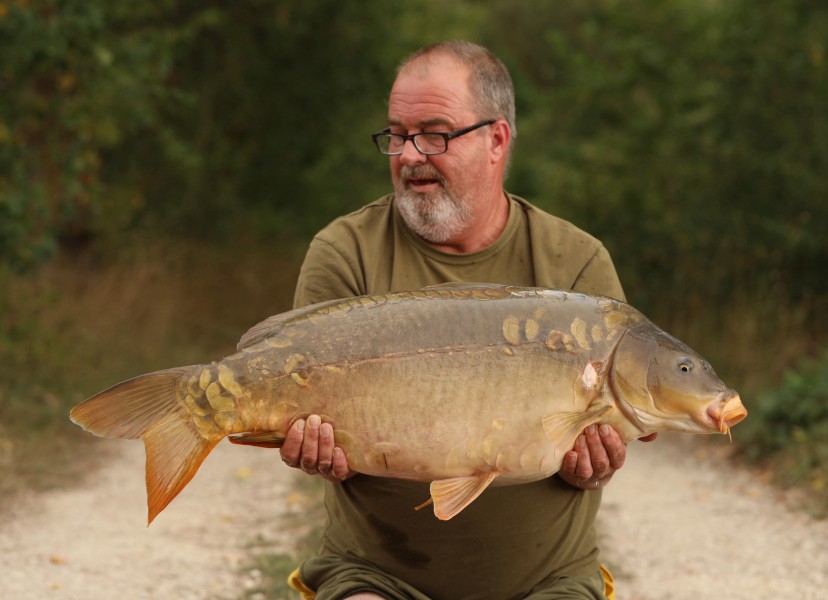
{"x": 410, "y": 155}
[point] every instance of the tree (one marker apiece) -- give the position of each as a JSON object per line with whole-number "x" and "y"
{"x": 692, "y": 138}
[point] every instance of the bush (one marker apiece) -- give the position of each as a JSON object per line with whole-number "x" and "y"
{"x": 788, "y": 426}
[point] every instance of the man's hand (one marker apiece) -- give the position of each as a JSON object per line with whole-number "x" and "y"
{"x": 599, "y": 452}
{"x": 309, "y": 445}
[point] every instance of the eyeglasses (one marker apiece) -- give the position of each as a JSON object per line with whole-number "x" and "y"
{"x": 427, "y": 142}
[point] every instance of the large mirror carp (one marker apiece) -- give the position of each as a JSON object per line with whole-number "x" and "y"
{"x": 463, "y": 386}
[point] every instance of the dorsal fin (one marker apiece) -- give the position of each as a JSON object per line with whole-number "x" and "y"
{"x": 272, "y": 325}
{"x": 464, "y": 285}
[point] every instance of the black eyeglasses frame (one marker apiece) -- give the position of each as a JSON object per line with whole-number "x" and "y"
{"x": 446, "y": 135}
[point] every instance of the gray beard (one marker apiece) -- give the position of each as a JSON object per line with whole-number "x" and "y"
{"x": 438, "y": 216}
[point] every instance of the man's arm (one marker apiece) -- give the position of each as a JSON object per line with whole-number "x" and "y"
{"x": 326, "y": 274}
{"x": 598, "y": 277}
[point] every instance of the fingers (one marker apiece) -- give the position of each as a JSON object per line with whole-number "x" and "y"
{"x": 583, "y": 466}
{"x": 292, "y": 446}
{"x": 324, "y": 463}
{"x": 598, "y": 453}
{"x": 309, "y": 445}
{"x": 309, "y": 458}
{"x": 614, "y": 448}
{"x": 340, "y": 469}
{"x": 568, "y": 466}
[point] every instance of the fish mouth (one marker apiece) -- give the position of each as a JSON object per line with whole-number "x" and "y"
{"x": 726, "y": 411}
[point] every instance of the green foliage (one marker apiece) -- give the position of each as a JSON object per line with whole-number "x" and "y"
{"x": 692, "y": 138}
{"x": 788, "y": 426}
{"x": 85, "y": 322}
{"x": 78, "y": 79}
{"x": 193, "y": 118}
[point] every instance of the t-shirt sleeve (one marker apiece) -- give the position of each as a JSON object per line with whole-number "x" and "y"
{"x": 326, "y": 274}
{"x": 598, "y": 277}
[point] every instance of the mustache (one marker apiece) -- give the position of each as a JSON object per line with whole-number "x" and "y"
{"x": 421, "y": 172}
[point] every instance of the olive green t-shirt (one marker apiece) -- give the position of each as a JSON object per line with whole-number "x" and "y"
{"x": 511, "y": 540}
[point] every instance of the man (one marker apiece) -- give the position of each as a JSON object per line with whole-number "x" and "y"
{"x": 449, "y": 138}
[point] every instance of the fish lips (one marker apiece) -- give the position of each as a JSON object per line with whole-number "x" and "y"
{"x": 726, "y": 411}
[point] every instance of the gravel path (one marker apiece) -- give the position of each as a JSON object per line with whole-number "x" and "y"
{"x": 679, "y": 522}
{"x": 92, "y": 542}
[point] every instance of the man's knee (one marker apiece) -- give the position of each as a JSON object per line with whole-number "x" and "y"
{"x": 329, "y": 577}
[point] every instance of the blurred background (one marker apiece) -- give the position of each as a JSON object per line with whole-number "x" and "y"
{"x": 164, "y": 164}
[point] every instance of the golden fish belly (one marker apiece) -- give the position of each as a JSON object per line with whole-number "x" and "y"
{"x": 436, "y": 414}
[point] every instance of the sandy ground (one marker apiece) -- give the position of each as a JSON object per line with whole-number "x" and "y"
{"x": 679, "y": 522}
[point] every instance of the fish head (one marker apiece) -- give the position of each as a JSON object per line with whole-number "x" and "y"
{"x": 660, "y": 384}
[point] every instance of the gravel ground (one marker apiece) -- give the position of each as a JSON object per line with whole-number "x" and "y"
{"x": 92, "y": 542}
{"x": 679, "y": 522}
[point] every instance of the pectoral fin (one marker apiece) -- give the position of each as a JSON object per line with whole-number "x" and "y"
{"x": 450, "y": 496}
{"x": 264, "y": 439}
{"x": 563, "y": 428}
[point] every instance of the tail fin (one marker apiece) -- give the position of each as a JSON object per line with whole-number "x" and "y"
{"x": 148, "y": 407}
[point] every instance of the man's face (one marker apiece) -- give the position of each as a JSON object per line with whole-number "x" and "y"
{"x": 437, "y": 195}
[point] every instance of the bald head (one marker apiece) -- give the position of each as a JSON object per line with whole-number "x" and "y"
{"x": 492, "y": 91}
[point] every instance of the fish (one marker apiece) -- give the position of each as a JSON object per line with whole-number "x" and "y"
{"x": 460, "y": 385}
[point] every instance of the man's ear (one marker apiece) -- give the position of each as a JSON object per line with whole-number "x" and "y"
{"x": 501, "y": 137}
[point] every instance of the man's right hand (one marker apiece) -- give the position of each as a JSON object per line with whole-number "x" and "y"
{"x": 309, "y": 446}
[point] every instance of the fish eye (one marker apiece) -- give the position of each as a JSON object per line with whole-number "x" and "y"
{"x": 685, "y": 365}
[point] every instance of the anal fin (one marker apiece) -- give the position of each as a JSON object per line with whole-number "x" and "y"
{"x": 264, "y": 439}
{"x": 451, "y": 496}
